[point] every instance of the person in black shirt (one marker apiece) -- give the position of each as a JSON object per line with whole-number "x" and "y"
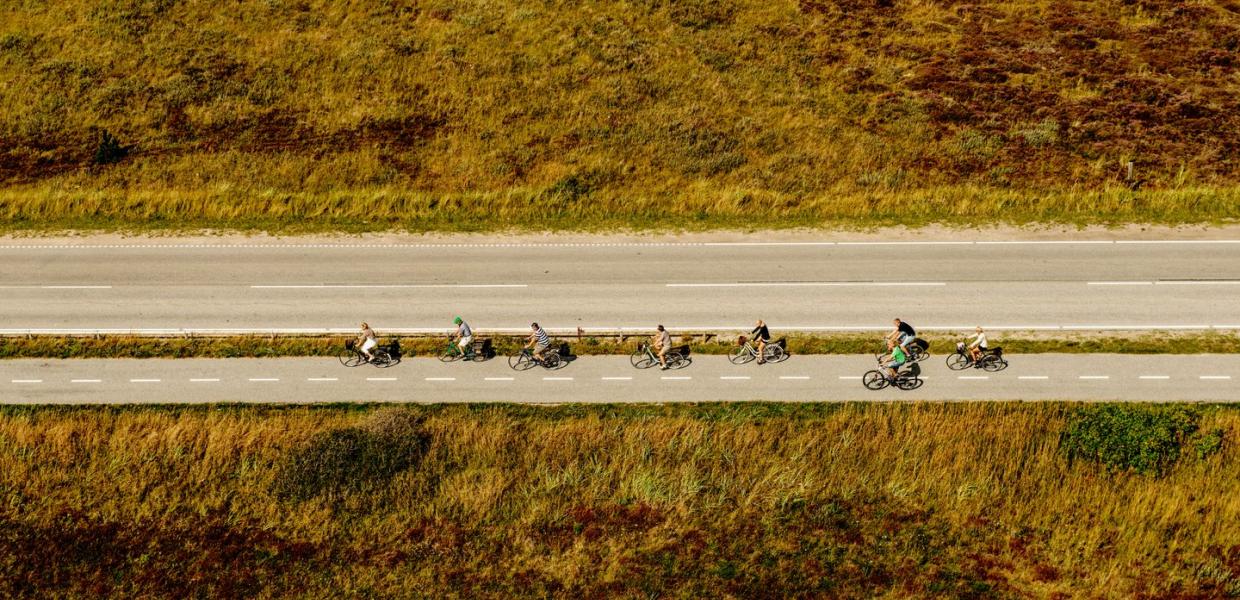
{"x": 903, "y": 334}
{"x": 761, "y": 336}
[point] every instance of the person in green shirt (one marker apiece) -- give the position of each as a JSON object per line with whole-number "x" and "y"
{"x": 898, "y": 358}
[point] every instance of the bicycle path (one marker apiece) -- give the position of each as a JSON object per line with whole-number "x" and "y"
{"x": 592, "y": 379}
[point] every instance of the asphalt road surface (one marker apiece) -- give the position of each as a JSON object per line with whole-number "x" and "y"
{"x": 51, "y": 285}
{"x": 1205, "y": 378}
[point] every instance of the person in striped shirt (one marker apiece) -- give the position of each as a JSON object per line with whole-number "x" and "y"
{"x": 539, "y": 341}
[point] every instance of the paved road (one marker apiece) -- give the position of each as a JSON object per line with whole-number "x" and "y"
{"x": 63, "y": 284}
{"x": 611, "y": 379}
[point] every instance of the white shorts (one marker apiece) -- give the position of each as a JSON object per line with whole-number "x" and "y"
{"x": 465, "y": 342}
{"x": 369, "y": 345}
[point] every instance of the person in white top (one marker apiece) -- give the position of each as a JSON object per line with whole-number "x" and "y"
{"x": 978, "y": 346}
{"x": 368, "y": 341}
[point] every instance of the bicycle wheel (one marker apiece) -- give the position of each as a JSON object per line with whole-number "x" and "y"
{"x": 382, "y": 359}
{"x": 676, "y": 360}
{"x": 451, "y": 354}
{"x": 350, "y": 358}
{"x": 916, "y": 354}
{"x": 874, "y": 380}
{"x": 907, "y": 383}
{"x": 774, "y": 353}
{"x": 551, "y": 359}
{"x": 993, "y": 363}
{"x": 957, "y": 361}
{"x": 521, "y": 361}
{"x": 642, "y": 360}
{"x": 740, "y": 355}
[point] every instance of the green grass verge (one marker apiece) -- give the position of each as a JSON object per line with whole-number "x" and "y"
{"x": 271, "y": 347}
{"x": 858, "y": 500}
{"x": 44, "y": 210}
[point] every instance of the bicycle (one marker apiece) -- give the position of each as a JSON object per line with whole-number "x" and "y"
{"x": 908, "y": 377}
{"x": 992, "y": 359}
{"x": 746, "y": 352}
{"x": 918, "y": 350}
{"x": 644, "y": 358}
{"x": 452, "y": 352}
{"x": 525, "y": 360}
{"x": 352, "y": 356}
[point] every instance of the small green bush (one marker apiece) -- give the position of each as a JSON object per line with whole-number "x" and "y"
{"x": 352, "y": 459}
{"x": 1146, "y": 439}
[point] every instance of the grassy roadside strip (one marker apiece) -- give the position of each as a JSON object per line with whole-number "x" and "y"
{"x": 762, "y": 500}
{"x": 844, "y": 343}
{"x": 42, "y": 210}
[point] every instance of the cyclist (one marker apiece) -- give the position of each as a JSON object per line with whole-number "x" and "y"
{"x": 898, "y": 358}
{"x": 539, "y": 341}
{"x": 902, "y": 335}
{"x": 464, "y": 338}
{"x": 978, "y": 347}
{"x": 368, "y": 341}
{"x": 662, "y": 343}
{"x": 761, "y": 337}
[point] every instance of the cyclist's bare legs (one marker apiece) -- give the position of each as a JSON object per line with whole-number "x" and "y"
{"x": 663, "y": 357}
{"x": 761, "y": 351}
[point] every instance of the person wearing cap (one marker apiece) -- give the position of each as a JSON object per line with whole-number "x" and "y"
{"x": 464, "y": 337}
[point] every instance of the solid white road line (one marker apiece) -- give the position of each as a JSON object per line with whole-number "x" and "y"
{"x": 75, "y": 287}
{"x": 385, "y": 286}
{"x": 205, "y": 380}
{"x": 144, "y": 381}
{"x": 1215, "y": 377}
{"x": 85, "y": 381}
{"x": 380, "y": 379}
{"x": 1034, "y": 377}
{"x": 27, "y": 381}
{"x": 1099, "y": 377}
{"x": 1169, "y": 282}
{"x": 568, "y": 331}
{"x": 1154, "y": 377}
{"x": 452, "y": 245}
{"x": 794, "y": 377}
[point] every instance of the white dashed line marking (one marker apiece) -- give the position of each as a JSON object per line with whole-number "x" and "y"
{"x": 1094, "y": 377}
{"x": 499, "y": 379}
{"x": 794, "y": 377}
{"x": 1215, "y": 377}
{"x": 617, "y": 379}
{"x": 1154, "y": 377}
{"x": 264, "y": 379}
{"x": 85, "y": 381}
{"x": 849, "y": 378}
{"x": 322, "y": 379}
{"x": 205, "y": 380}
{"x": 380, "y": 379}
{"x": 440, "y": 379}
{"x": 144, "y": 381}
{"x": 557, "y": 378}
{"x": 27, "y": 381}
{"x": 811, "y": 284}
{"x": 75, "y": 287}
{"x": 1034, "y": 377}
{"x": 676, "y": 378}
{"x": 974, "y": 377}
{"x": 734, "y": 377}
{"x": 390, "y": 286}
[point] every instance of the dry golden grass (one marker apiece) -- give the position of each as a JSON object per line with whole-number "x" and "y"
{"x": 748, "y": 500}
{"x": 378, "y": 114}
